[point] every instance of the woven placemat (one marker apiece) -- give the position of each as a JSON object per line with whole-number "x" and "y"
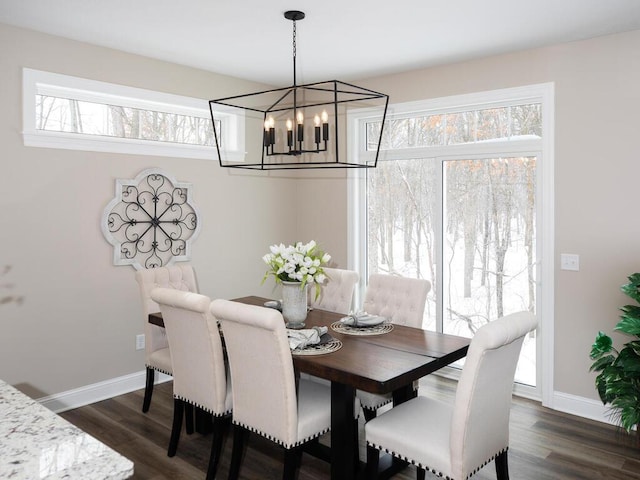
{"x": 380, "y": 329}
{"x": 320, "y": 349}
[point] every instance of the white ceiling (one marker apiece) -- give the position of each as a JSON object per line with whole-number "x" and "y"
{"x": 338, "y": 39}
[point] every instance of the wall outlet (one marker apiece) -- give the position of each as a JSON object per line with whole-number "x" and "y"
{"x": 570, "y": 261}
{"x": 140, "y": 342}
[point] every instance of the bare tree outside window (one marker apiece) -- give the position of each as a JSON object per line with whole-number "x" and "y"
{"x": 76, "y": 116}
{"x": 484, "y": 222}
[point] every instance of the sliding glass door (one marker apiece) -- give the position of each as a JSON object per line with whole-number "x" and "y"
{"x": 469, "y": 227}
{"x": 456, "y": 199}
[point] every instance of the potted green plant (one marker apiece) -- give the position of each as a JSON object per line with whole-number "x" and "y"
{"x": 618, "y": 382}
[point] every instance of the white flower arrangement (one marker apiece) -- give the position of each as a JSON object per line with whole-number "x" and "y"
{"x": 297, "y": 263}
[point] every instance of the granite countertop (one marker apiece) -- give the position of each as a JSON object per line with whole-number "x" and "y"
{"x": 35, "y": 443}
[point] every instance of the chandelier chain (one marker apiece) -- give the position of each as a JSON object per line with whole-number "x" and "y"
{"x": 294, "y": 38}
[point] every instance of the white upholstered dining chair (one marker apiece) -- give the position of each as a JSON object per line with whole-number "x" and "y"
{"x": 197, "y": 358}
{"x": 403, "y": 301}
{"x": 266, "y": 398}
{"x": 456, "y": 440}
{"x": 336, "y": 294}
{"x": 157, "y": 356}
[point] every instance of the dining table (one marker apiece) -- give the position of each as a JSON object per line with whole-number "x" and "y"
{"x": 383, "y": 363}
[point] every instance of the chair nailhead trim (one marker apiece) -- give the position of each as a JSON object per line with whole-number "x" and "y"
{"x": 279, "y": 442}
{"x": 161, "y": 370}
{"x": 385, "y": 402}
{"x": 202, "y": 407}
{"x": 376, "y": 407}
{"x": 427, "y": 468}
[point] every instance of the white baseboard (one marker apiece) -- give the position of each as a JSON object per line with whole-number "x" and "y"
{"x": 79, "y": 397}
{"x": 562, "y": 402}
{"x": 582, "y": 407}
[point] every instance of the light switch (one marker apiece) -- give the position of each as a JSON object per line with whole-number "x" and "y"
{"x": 570, "y": 261}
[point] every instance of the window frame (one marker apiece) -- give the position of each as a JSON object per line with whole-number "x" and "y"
{"x": 544, "y": 148}
{"x": 36, "y": 82}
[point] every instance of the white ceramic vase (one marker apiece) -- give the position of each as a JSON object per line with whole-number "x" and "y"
{"x": 294, "y": 304}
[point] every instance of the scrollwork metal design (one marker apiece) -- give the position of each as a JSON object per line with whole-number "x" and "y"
{"x": 151, "y": 221}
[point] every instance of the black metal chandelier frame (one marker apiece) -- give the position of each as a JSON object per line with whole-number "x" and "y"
{"x": 339, "y": 93}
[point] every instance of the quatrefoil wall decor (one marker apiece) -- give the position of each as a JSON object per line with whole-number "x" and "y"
{"x": 152, "y": 221}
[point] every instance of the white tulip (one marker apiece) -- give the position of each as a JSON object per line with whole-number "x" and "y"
{"x": 299, "y": 262}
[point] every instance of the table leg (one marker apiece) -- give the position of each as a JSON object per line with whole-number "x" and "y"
{"x": 344, "y": 433}
{"x": 403, "y": 394}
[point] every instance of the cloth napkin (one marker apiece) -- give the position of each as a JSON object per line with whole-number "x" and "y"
{"x": 304, "y": 337}
{"x": 362, "y": 319}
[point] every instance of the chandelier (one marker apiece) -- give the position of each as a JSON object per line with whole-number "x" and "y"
{"x": 300, "y": 126}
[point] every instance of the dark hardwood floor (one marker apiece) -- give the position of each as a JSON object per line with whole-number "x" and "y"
{"x": 545, "y": 445}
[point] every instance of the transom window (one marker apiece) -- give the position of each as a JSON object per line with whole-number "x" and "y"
{"x": 61, "y": 111}
{"x": 411, "y": 130}
{"x": 56, "y": 114}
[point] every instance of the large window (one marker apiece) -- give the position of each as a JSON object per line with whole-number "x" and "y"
{"x": 74, "y": 113}
{"x": 455, "y": 200}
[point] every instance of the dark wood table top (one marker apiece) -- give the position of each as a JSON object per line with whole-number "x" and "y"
{"x": 373, "y": 363}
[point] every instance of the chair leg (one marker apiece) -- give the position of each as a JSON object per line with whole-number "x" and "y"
{"x": 292, "y": 458}
{"x": 356, "y": 445}
{"x": 236, "y": 454}
{"x": 502, "y": 466}
{"x": 189, "y": 418}
{"x": 148, "y": 390}
{"x": 178, "y": 412}
{"x": 369, "y": 414}
{"x": 373, "y": 457}
{"x": 219, "y": 424}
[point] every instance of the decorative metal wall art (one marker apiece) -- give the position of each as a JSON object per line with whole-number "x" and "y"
{"x": 152, "y": 221}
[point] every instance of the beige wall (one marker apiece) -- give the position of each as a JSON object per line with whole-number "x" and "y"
{"x": 80, "y": 313}
{"x": 597, "y": 167}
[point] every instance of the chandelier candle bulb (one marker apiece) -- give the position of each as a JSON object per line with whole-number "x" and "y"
{"x": 325, "y": 126}
{"x": 272, "y": 131}
{"x": 316, "y": 129}
{"x": 267, "y": 136}
{"x": 300, "y": 118}
{"x": 289, "y": 132}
